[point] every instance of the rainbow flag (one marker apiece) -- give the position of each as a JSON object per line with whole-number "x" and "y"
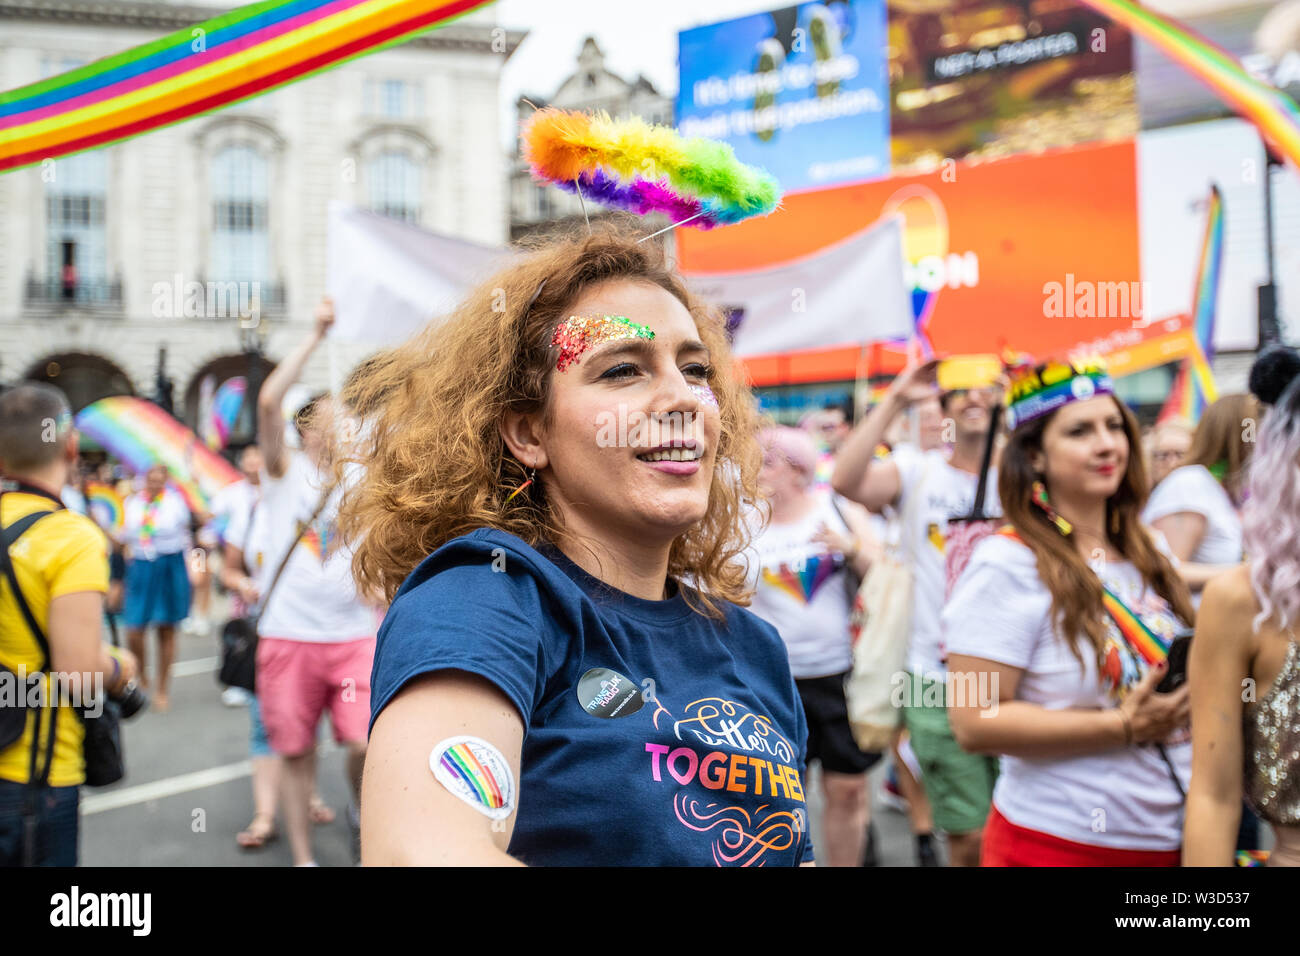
{"x": 232, "y": 57}
{"x": 105, "y": 505}
{"x": 1209, "y": 268}
{"x": 225, "y": 410}
{"x": 140, "y": 434}
{"x": 1194, "y": 387}
{"x": 1273, "y": 112}
{"x": 459, "y": 761}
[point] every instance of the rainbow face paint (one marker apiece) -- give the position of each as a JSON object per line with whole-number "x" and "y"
{"x": 705, "y": 395}
{"x": 579, "y": 333}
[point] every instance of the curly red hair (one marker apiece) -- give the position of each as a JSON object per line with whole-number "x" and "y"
{"x": 435, "y": 465}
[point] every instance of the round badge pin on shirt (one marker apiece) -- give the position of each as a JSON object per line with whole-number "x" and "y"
{"x": 476, "y": 772}
{"x": 607, "y": 693}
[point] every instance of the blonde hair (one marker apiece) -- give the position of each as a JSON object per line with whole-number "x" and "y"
{"x": 436, "y": 466}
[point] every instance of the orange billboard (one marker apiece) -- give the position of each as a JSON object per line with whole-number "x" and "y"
{"x": 1035, "y": 253}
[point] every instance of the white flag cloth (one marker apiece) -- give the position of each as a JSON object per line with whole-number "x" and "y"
{"x": 388, "y": 278}
{"x": 847, "y": 294}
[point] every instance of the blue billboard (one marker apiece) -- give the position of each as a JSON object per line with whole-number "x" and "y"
{"x": 802, "y": 91}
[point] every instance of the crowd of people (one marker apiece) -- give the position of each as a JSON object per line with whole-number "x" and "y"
{"x": 595, "y": 652}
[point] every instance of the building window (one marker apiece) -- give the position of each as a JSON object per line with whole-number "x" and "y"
{"x": 394, "y": 186}
{"x": 393, "y": 99}
{"x": 241, "y": 249}
{"x": 76, "y": 255}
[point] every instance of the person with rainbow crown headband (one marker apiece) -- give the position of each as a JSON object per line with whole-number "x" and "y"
{"x": 1057, "y": 632}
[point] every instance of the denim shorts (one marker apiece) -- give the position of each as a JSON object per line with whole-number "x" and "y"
{"x": 56, "y": 824}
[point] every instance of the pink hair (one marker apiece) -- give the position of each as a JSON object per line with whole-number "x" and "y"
{"x": 1271, "y": 514}
{"x": 793, "y": 444}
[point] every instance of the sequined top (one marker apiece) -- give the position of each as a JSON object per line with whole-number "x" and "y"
{"x": 1273, "y": 746}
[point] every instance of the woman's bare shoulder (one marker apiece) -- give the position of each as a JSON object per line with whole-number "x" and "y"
{"x": 1231, "y": 593}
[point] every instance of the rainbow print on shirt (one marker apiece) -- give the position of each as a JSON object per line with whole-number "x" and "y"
{"x": 802, "y": 579}
{"x": 318, "y": 538}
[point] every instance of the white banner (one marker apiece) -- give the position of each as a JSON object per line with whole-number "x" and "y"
{"x": 388, "y": 278}
{"x": 850, "y": 293}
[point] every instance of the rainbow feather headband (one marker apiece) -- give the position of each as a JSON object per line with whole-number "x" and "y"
{"x": 1035, "y": 391}
{"x": 643, "y": 168}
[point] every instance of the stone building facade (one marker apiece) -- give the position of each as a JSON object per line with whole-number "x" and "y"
{"x": 170, "y": 241}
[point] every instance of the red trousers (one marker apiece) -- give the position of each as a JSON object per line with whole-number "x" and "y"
{"x": 1006, "y": 844}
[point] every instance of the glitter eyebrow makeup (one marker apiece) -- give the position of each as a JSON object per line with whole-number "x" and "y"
{"x": 579, "y": 333}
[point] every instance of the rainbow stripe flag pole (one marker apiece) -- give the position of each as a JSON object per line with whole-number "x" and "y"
{"x": 1194, "y": 387}
{"x": 1273, "y": 112}
{"x": 232, "y": 57}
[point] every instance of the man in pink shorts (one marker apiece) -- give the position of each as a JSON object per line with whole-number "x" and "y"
{"x": 316, "y": 635}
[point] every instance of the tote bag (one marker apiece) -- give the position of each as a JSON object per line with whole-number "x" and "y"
{"x": 884, "y": 620}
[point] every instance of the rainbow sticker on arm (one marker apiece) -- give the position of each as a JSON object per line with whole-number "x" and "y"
{"x": 642, "y": 168}
{"x": 476, "y": 772}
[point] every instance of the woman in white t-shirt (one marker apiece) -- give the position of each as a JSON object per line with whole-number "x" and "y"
{"x": 1196, "y": 507}
{"x": 1056, "y": 634}
{"x": 803, "y": 556}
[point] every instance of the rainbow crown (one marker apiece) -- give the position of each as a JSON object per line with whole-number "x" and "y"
{"x": 1037, "y": 390}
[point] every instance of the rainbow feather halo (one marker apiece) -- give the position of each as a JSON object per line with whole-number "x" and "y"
{"x": 642, "y": 168}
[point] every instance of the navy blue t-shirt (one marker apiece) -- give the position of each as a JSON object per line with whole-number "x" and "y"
{"x": 654, "y": 736}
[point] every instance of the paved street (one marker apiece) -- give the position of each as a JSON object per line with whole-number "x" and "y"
{"x": 187, "y": 791}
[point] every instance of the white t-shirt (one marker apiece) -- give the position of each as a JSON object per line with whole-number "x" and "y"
{"x": 315, "y": 599}
{"x": 1122, "y": 798}
{"x": 1192, "y": 488}
{"x": 231, "y": 508}
{"x": 801, "y": 591}
{"x": 240, "y": 509}
{"x": 947, "y": 492}
{"x": 170, "y": 533}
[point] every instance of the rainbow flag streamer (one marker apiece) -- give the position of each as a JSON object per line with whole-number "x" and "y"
{"x": 460, "y": 762}
{"x": 802, "y": 585}
{"x": 105, "y": 505}
{"x": 1273, "y": 112}
{"x": 140, "y": 434}
{"x": 1209, "y": 269}
{"x": 232, "y": 57}
{"x": 1144, "y": 641}
{"x": 1194, "y": 387}
{"x": 226, "y": 404}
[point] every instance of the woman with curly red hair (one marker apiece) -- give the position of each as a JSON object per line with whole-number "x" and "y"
{"x": 553, "y": 499}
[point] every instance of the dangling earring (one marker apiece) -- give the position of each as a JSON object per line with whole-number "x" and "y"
{"x": 1039, "y": 497}
{"x": 532, "y": 473}
{"x": 1114, "y": 523}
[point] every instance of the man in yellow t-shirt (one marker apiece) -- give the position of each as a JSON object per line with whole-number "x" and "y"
{"x": 61, "y": 566}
